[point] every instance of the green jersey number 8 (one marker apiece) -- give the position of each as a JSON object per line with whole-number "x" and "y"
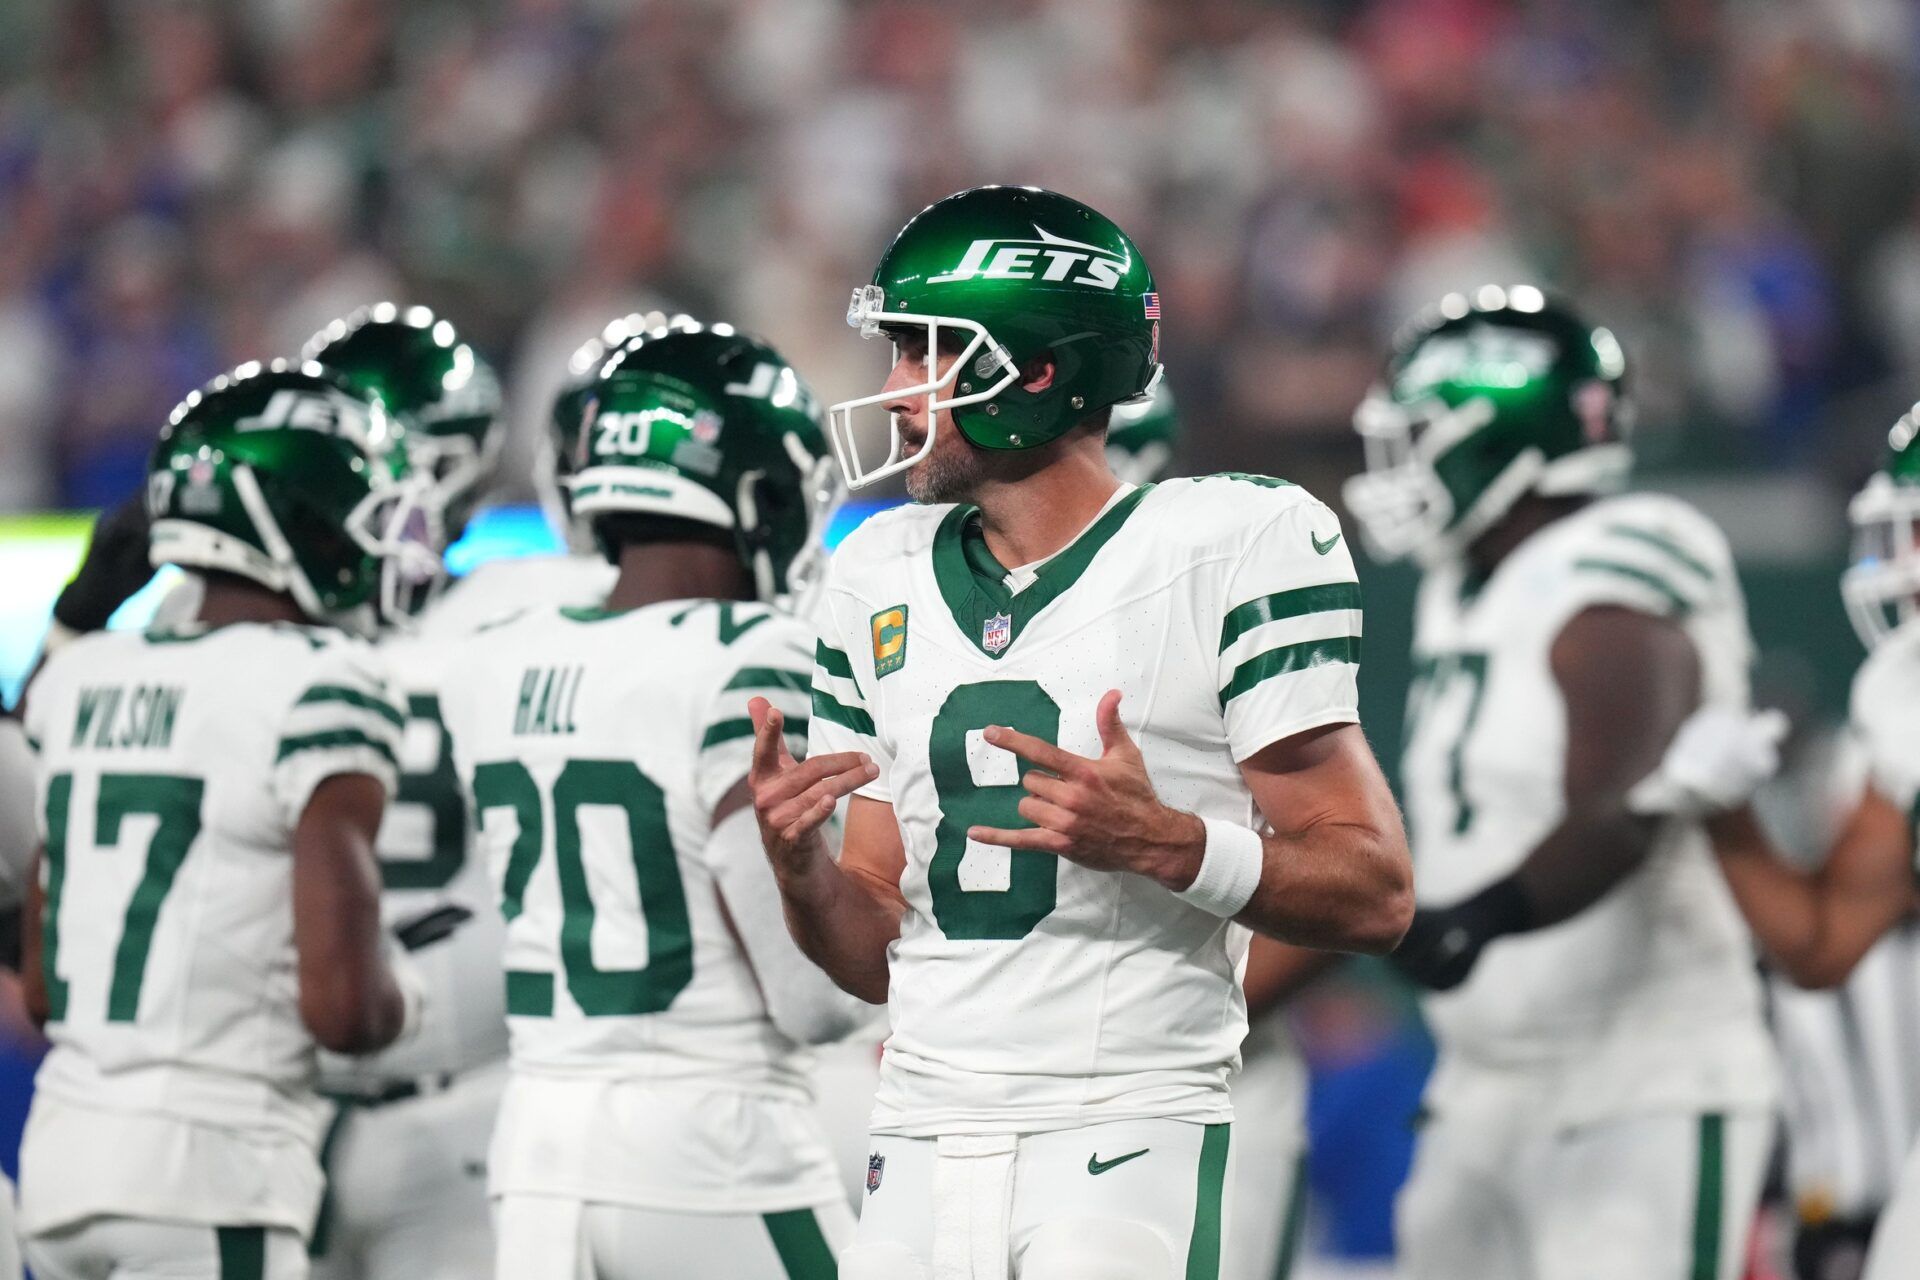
{"x": 1032, "y": 878}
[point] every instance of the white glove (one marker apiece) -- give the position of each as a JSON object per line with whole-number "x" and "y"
{"x": 1715, "y": 763}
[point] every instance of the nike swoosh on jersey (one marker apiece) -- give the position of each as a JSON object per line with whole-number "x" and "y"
{"x": 1323, "y": 547}
{"x": 1096, "y": 1166}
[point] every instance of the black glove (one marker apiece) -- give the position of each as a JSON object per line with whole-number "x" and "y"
{"x": 1444, "y": 943}
{"x": 430, "y": 927}
{"x": 116, "y": 566}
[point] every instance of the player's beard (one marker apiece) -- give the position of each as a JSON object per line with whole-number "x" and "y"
{"x": 949, "y": 473}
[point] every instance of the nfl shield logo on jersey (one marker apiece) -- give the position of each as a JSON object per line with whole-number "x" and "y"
{"x": 997, "y": 634}
{"x": 876, "y": 1167}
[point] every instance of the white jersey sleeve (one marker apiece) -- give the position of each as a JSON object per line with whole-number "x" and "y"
{"x": 771, "y": 661}
{"x": 346, "y": 721}
{"x": 842, "y": 720}
{"x": 1290, "y": 631}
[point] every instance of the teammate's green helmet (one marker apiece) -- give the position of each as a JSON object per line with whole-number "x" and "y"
{"x": 710, "y": 425}
{"x": 1010, "y": 273}
{"x": 435, "y": 384}
{"x": 1142, "y": 436}
{"x": 1882, "y": 586}
{"x": 1486, "y": 398}
{"x": 290, "y": 476}
{"x": 553, "y": 466}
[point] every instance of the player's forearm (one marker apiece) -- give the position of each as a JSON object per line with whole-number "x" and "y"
{"x": 1581, "y": 861}
{"x": 1337, "y": 886}
{"x": 1809, "y": 932}
{"x": 839, "y": 926}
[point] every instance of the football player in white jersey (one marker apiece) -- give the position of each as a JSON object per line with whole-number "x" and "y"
{"x": 658, "y": 1121}
{"x": 1817, "y": 926}
{"x": 207, "y": 904}
{"x": 1059, "y": 770}
{"x": 406, "y": 1155}
{"x": 1602, "y": 1100}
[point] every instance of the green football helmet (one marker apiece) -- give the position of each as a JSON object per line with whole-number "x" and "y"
{"x": 1010, "y": 273}
{"x": 1486, "y": 398}
{"x": 707, "y": 424}
{"x": 553, "y": 465}
{"x": 1882, "y": 586}
{"x": 1142, "y": 436}
{"x": 290, "y": 476}
{"x": 436, "y": 385}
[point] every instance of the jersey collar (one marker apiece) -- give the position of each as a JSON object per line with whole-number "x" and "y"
{"x": 973, "y": 583}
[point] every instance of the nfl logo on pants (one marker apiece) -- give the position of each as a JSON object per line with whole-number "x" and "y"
{"x": 876, "y": 1166}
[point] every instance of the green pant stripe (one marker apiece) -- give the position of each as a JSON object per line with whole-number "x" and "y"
{"x": 802, "y": 1245}
{"x": 1296, "y": 1221}
{"x": 1709, "y": 1207}
{"x": 323, "y": 1220}
{"x": 1203, "y": 1248}
{"x": 243, "y": 1252}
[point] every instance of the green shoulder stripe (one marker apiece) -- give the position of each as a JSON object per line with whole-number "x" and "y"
{"x": 770, "y": 678}
{"x": 1652, "y": 581}
{"x": 1297, "y": 603}
{"x": 1290, "y": 658}
{"x": 828, "y": 707}
{"x": 1667, "y": 546}
{"x": 325, "y": 693}
{"x": 334, "y": 740}
{"x": 729, "y": 730}
{"x": 832, "y": 661}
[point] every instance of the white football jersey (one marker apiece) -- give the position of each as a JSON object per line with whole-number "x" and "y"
{"x": 1649, "y": 998}
{"x": 1028, "y": 993}
{"x": 595, "y": 747}
{"x": 424, "y": 840}
{"x": 174, "y": 768}
{"x": 1886, "y": 719}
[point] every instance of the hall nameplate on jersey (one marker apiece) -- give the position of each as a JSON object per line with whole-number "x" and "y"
{"x": 548, "y": 696}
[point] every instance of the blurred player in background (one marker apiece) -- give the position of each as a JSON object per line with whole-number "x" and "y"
{"x": 1053, "y": 1099}
{"x": 1602, "y": 1101}
{"x": 208, "y": 904}
{"x": 658, "y": 1121}
{"x": 406, "y": 1154}
{"x": 1816, "y": 927}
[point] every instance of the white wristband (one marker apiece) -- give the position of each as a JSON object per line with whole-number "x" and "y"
{"x": 1229, "y": 869}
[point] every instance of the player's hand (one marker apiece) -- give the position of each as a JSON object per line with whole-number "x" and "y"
{"x": 115, "y": 567}
{"x": 793, "y": 799}
{"x": 429, "y": 927}
{"x": 1717, "y": 760}
{"x": 1099, "y": 813}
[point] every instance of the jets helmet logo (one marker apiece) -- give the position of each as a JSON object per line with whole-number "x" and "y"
{"x": 1049, "y": 257}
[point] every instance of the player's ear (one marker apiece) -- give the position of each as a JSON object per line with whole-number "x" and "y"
{"x": 1037, "y": 374}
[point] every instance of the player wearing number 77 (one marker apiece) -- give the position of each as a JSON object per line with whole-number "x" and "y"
{"x": 207, "y": 908}
{"x": 1601, "y": 1104}
{"x": 1059, "y": 769}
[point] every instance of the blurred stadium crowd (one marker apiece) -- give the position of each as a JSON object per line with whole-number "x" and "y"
{"x": 1731, "y": 184}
